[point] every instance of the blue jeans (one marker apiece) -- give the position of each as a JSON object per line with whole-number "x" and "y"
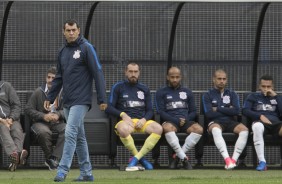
{"x": 75, "y": 140}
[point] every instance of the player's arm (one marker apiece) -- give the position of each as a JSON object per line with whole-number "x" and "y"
{"x": 149, "y": 109}
{"x": 160, "y": 106}
{"x": 209, "y": 111}
{"x": 112, "y": 102}
{"x": 192, "y": 107}
{"x": 248, "y": 106}
{"x": 234, "y": 109}
{"x": 95, "y": 67}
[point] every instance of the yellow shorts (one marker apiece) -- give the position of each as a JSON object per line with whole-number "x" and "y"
{"x": 141, "y": 130}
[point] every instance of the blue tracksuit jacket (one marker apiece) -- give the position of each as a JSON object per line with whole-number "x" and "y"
{"x": 257, "y": 104}
{"x": 77, "y": 65}
{"x": 223, "y": 102}
{"x": 173, "y": 104}
{"x": 134, "y": 100}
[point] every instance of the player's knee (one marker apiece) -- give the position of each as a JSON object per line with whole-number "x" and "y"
{"x": 156, "y": 128}
{"x": 122, "y": 130}
{"x": 167, "y": 127}
{"x": 257, "y": 127}
{"x": 197, "y": 129}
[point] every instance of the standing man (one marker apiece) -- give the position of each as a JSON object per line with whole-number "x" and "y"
{"x": 265, "y": 110}
{"x": 221, "y": 105}
{"x": 177, "y": 109}
{"x": 45, "y": 122}
{"x": 77, "y": 65}
{"x": 131, "y": 102}
{"x": 11, "y": 131}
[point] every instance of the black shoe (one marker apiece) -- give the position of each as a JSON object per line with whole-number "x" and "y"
{"x": 186, "y": 164}
{"x": 199, "y": 164}
{"x": 52, "y": 164}
{"x": 174, "y": 162}
{"x": 242, "y": 165}
{"x": 12, "y": 167}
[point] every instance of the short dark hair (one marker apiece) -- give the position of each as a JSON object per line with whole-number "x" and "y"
{"x": 266, "y": 77}
{"x": 52, "y": 70}
{"x": 132, "y": 63}
{"x": 70, "y": 22}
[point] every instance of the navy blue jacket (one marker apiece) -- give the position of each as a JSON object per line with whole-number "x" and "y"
{"x": 173, "y": 104}
{"x": 257, "y": 104}
{"x": 77, "y": 65}
{"x": 224, "y": 113}
{"x": 133, "y": 99}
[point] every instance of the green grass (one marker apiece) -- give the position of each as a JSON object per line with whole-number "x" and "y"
{"x": 204, "y": 176}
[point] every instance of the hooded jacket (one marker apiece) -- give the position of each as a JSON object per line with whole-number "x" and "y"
{"x": 10, "y": 105}
{"x": 77, "y": 65}
{"x": 35, "y": 108}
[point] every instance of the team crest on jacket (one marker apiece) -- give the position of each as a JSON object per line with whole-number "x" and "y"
{"x": 226, "y": 99}
{"x": 76, "y": 54}
{"x": 183, "y": 95}
{"x": 273, "y": 101}
{"x": 140, "y": 95}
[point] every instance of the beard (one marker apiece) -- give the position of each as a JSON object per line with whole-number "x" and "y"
{"x": 132, "y": 80}
{"x": 174, "y": 84}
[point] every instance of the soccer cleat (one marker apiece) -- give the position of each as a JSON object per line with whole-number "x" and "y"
{"x": 51, "y": 164}
{"x": 133, "y": 162}
{"x": 174, "y": 162}
{"x": 262, "y": 166}
{"x": 229, "y": 163}
{"x": 186, "y": 164}
{"x": 135, "y": 168}
{"x": 84, "y": 178}
{"x": 146, "y": 164}
{"x": 60, "y": 177}
{"x": 23, "y": 156}
{"x": 12, "y": 167}
{"x": 14, "y": 157}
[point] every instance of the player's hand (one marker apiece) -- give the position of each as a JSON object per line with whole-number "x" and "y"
{"x": 265, "y": 120}
{"x": 270, "y": 92}
{"x": 9, "y": 121}
{"x": 54, "y": 117}
{"x": 5, "y": 122}
{"x": 127, "y": 119}
{"x": 103, "y": 106}
{"x": 140, "y": 123}
{"x": 48, "y": 117}
{"x": 182, "y": 121}
{"x": 214, "y": 109}
{"x": 47, "y": 105}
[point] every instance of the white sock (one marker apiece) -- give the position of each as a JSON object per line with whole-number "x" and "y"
{"x": 190, "y": 141}
{"x": 258, "y": 130}
{"x": 219, "y": 142}
{"x": 173, "y": 141}
{"x": 240, "y": 144}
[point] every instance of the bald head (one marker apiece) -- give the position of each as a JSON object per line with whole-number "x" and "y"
{"x": 174, "y": 70}
{"x": 174, "y": 77}
{"x": 220, "y": 79}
